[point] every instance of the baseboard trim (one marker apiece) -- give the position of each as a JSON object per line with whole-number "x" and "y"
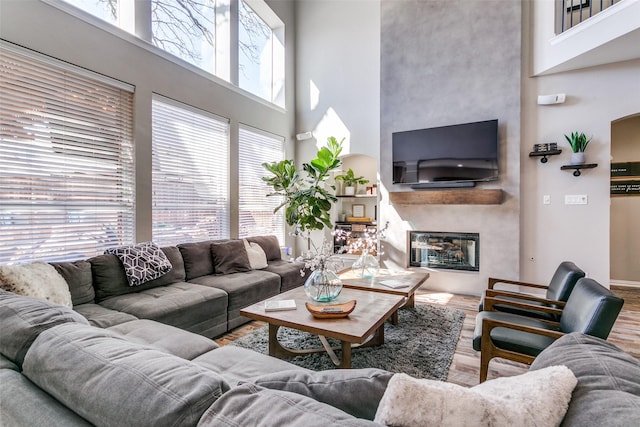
{"x": 626, "y": 283}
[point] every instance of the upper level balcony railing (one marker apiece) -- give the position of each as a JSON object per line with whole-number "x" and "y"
{"x": 570, "y": 13}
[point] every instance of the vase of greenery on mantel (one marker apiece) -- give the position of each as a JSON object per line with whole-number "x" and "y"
{"x": 578, "y": 142}
{"x": 307, "y": 202}
{"x": 351, "y": 182}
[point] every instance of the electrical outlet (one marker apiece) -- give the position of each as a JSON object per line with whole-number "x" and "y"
{"x": 546, "y": 199}
{"x": 575, "y": 199}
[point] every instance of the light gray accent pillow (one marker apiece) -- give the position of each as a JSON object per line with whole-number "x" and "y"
{"x": 364, "y": 387}
{"x": 142, "y": 262}
{"x": 24, "y": 318}
{"x": 112, "y": 382}
{"x": 254, "y": 406}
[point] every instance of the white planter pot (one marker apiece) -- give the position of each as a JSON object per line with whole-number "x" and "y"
{"x": 349, "y": 191}
{"x": 577, "y": 158}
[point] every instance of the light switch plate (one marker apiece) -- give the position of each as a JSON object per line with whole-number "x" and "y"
{"x": 575, "y": 199}
{"x": 546, "y": 199}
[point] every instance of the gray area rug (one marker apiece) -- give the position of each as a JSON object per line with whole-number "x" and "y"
{"x": 421, "y": 345}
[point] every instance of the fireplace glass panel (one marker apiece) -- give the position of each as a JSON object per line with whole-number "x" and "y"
{"x": 456, "y": 251}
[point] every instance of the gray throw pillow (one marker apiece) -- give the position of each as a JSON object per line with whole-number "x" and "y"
{"x": 108, "y": 380}
{"x": 230, "y": 257}
{"x": 363, "y": 387}
{"x": 142, "y": 262}
{"x": 24, "y": 318}
{"x": 269, "y": 245}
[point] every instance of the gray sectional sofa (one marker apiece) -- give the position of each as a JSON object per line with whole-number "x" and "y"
{"x": 199, "y": 294}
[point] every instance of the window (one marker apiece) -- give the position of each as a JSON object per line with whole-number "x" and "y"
{"x": 190, "y": 174}
{"x": 255, "y": 208}
{"x": 260, "y": 52}
{"x": 66, "y": 160}
{"x": 185, "y": 29}
{"x": 250, "y": 55}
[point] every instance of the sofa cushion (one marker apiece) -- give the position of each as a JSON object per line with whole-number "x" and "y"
{"x": 110, "y": 279}
{"x": 37, "y": 279}
{"x": 103, "y": 317}
{"x": 269, "y": 245}
{"x": 237, "y": 364}
{"x": 110, "y": 381}
{"x": 536, "y": 398}
{"x": 608, "y": 390}
{"x": 142, "y": 262}
{"x": 167, "y": 338}
{"x": 183, "y": 305}
{"x": 251, "y": 405}
{"x": 257, "y": 257}
{"x": 364, "y": 387}
{"x": 243, "y": 289}
{"x": 78, "y": 276}
{"x": 230, "y": 257}
{"x": 24, "y": 318}
{"x": 22, "y": 403}
{"x": 197, "y": 259}
{"x": 292, "y": 274}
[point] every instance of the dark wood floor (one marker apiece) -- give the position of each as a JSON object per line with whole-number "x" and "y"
{"x": 465, "y": 366}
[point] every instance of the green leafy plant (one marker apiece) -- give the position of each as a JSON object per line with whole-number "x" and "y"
{"x": 578, "y": 141}
{"x": 307, "y": 200}
{"x": 350, "y": 179}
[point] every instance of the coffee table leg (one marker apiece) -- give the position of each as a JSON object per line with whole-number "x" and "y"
{"x": 346, "y": 355}
{"x": 394, "y": 318}
{"x": 411, "y": 301}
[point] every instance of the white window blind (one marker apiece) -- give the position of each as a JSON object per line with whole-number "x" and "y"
{"x": 255, "y": 208}
{"x": 190, "y": 174}
{"x": 66, "y": 159}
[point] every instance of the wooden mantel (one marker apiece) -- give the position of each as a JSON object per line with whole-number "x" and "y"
{"x": 448, "y": 197}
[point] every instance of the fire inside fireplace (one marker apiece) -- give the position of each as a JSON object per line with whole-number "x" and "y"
{"x": 456, "y": 251}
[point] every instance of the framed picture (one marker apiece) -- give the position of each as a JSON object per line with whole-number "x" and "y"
{"x": 357, "y": 211}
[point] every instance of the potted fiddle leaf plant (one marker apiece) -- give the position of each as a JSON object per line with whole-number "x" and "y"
{"x": 351, "y": 181}
{"x": 578, "y": 142}
{"x": 307, "y": 202}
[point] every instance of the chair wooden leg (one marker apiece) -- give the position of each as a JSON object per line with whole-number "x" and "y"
{"x": 485, "y": 358}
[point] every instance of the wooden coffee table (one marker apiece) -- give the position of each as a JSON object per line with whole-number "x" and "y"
{"x": 413, "y": 280}
{"x": 363, "y": 327}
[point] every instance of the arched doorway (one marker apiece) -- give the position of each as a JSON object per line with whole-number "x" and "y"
{"x": 625, "y": 208}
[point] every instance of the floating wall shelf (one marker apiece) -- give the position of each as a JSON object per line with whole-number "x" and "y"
{"x": 544, "y": 154}
{"x": 576, "y": 168}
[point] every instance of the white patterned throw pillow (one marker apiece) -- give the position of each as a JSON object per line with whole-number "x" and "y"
{"x": 38, "y": 280}
{"x": 536, "y": 398}
{"x": 142, "y": 262}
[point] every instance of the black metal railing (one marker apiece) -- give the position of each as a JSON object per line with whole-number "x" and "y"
{"x": 570, "y": 13}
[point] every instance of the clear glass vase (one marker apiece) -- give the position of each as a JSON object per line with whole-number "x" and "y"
{"x": 323, "y": 285}
{"x": 366, "y": 266}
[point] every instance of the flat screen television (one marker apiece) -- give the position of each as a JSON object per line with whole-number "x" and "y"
{"x": 447, "y": 156}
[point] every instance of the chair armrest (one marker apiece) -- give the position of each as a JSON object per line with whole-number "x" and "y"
{"x": 489, "y": 324}
{"x": 497, "y": 293}
{"x": 489, "y": 303}
{"x": 493, "y": 281}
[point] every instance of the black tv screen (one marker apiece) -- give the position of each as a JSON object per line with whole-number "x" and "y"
{"x": 448, "y": 154}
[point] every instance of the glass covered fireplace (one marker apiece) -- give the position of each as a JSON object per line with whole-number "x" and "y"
{"x": 456, "y": 251}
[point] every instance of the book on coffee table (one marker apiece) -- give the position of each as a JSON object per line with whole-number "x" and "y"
{"x": 394, "y": 283}
{"x": 280, "y": 305}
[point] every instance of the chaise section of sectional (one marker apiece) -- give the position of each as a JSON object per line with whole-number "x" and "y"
{"x": 168, "y": 299}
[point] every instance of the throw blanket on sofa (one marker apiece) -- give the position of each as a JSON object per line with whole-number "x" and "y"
{"x": 38, "y": 280}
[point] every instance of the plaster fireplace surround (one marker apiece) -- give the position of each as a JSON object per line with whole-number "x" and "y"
{"x": 441, "y": 66}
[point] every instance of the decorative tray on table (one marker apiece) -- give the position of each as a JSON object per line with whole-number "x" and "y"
{"x": 332, "y": 311}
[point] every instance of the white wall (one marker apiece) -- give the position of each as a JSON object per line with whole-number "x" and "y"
{"x": 46, "y": 29}
{"x": 338, "y": 74}
{"x": 596, "y": 96}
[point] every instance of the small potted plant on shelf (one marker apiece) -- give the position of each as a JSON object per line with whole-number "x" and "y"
{"x": 351, "y": 181}
{"x": 578, "y": 142}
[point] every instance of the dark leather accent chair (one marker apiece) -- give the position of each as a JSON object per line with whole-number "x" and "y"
{"x": 558, "y": 291}
{"x": 591, "y": 309}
